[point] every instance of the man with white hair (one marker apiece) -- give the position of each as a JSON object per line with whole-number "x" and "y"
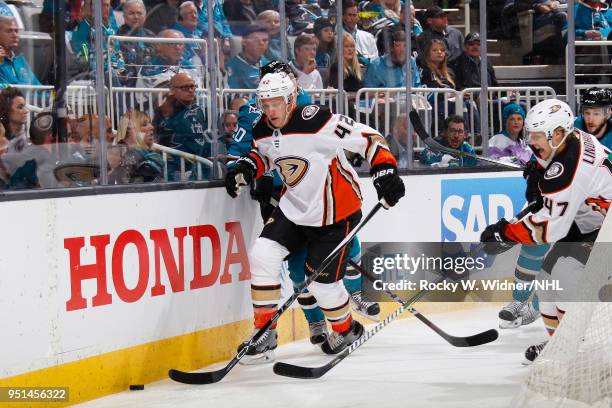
{"x": 188, "y": 25}
{"x": 14, "y": 68}
{"x": 576, "y": 189}
{"x": 135, "y": 54}
{"x": 321, "y": 204}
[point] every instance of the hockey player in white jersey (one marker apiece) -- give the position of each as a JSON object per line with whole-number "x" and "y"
{"x": 320, "y": 206}
{"x": 576, "y": 187}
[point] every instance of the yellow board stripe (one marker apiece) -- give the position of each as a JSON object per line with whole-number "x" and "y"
{"x": 109, "y": 373}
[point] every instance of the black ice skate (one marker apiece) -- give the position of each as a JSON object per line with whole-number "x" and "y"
{"x": 336, "y": 342}
{"x": 318, "y": 332}
{"x": 262, "y": 351}
{"x": 533, "y": 352}
{"x": 364, "y": 306}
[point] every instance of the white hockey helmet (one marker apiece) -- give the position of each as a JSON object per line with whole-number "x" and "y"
{"x": 549, "y": 115}
{"x": 274, "y": 85}
{"x": 546, "y": 117}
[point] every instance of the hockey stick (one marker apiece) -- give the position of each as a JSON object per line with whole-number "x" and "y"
{"x": 295, "y": 371}
{"x": 457, "y": 341}
{"x": 215, "y": 376}
{"x": 429, "y": 141}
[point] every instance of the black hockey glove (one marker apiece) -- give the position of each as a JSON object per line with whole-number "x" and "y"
{"x": 264, "y": 187}
{"x": 239, "y": 174}
{"x": 495, "y": 239}
{"x": 533, "y": 176}
{"x": 388, "y": 183}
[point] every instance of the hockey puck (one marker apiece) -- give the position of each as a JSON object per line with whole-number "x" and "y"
{"x": 136, "y": 387}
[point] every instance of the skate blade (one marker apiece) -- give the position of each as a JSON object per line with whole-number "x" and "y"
{"x": 264, "y": 358}
{"x": 526, "y": 362}
{"x": 506, "y": 324}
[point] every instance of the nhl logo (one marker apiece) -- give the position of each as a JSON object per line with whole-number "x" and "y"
{"x": 309, "y": 112}
{"x": 555, "y": 170}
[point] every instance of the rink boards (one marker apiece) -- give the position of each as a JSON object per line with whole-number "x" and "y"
{"x": 99, "y": 292}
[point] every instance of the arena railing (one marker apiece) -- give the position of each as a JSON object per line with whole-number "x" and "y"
{"x": 380, "y": 107}
{"x": 183, "y": 156}
{"x": 497, "y": 98}
{"x": 591, "y": 67}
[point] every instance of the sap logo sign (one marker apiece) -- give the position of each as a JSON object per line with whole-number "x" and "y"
{"x": 469, "y": 205}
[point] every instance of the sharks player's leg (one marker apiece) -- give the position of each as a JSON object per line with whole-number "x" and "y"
{"x": 352, "y": 282}
{"x": 308, "y": 303}
{"x": 521, "y": 311}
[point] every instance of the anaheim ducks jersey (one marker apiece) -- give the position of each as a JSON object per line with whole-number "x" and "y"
{"x": 576, "y": 187}
{"x": 322, "y": 188}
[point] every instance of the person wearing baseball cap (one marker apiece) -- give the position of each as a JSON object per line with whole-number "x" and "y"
{"x": 438, "y": 29}
{"x": 467, "y": 66}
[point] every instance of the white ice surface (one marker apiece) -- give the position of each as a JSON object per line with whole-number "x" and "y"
{"x": 404, "y": 365}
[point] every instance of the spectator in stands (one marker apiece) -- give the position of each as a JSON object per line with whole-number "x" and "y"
{"x": 271, "y": 20}
{"x": 118, "y": 172}
{"x": 453, "y": 137}
{"x": 467, "y": 67}
{"x": 593, "y": 20}
{"x": 438, "y": 29}
{"x": 82, "y": 40}
{"x": 353, "y": 78}
{"x": 221, "y": 26}
{"x": 187, "y": 24}
{"x": 242, "y": 13}
{"x": 135, "y": 54}
{"x": 143, "y": 163}
{"x": 415, "y": 30}
{"x": 13, "y": 116}
{"x": 33, "y": 166}
{"x": 243, "y": 69}
{"x": 366, "y": 44}
{"x": 180, "y": 123}
{"x": 398, "y": 141}
{"x": 305, "y": 64}
{"x": 324, "y": 31}
{"x": 509, "y": 145}
{"x": 229, "y": 123}
{"x": 389, "y": 71}
{"x": 163, "y": 16}
{"x": 168, "y": 61}
{"x": 549, "y": 23}
{"x": 14, "y": 68}
{"x": 435, "y": 72}
{"x": 84, "y": 137}
{"x": 389, "y": 9}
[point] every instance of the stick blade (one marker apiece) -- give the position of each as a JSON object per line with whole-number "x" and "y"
{"x": 196, "y": 378}
{"x": 477, "y": 339}
{"x": 293, "y": 371}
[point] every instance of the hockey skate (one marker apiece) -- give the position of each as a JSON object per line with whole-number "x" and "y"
{"x": 262, "y": 351}
{"x": 318, "y": 332}
{"x": 516, "y": 314}
{"x": 365, "y": 307}
{"x": 336, "y": 342}
{"x": 533, "y": 352}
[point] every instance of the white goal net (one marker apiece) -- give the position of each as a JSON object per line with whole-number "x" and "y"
{"x": 575, "y": 368}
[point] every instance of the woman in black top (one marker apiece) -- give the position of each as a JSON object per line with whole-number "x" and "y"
{"x": 353, "y": 77}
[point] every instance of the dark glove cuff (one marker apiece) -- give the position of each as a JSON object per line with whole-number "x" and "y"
{"x": 381, "y": 170}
